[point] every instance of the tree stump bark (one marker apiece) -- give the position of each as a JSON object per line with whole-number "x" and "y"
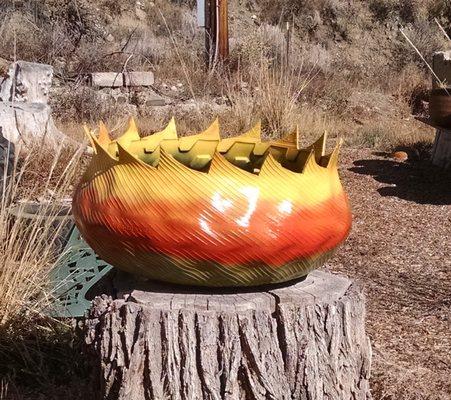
{"x": 306, "y": 340}
{"x": 441, "y": 150}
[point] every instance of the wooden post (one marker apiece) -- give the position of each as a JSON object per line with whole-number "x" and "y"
{"x": 223, "y": 30}
{"x": 210, "y": 31}
{"x": 305, "y": 340}
{"x": 216, "y": 31}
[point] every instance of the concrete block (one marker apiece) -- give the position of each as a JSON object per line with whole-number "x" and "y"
{"x": 107, "y": 79}
{"x": 137, "y": 78}
{"x": 21, "y": 121}
{"x": 27, "y": 82}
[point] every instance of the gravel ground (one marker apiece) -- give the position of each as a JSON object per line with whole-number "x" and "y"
{"x": 400, "y": 252}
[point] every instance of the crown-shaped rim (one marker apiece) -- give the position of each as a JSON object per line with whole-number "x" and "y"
{"x": 290, "y": 158}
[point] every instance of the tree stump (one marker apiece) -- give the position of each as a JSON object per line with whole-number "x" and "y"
{"x": 305, "y": 340}
{"x": 441, "y": 150}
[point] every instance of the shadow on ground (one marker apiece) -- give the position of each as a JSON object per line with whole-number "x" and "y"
{"x": 417, "y": 181}
{"x": 42, "y": 359}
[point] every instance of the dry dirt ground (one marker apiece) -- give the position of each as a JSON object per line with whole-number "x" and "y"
{"x": 400, "y": 252}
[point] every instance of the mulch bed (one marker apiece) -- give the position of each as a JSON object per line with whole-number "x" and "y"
{"x": 400, "y": 253}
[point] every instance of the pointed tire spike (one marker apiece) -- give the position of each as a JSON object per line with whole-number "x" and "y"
{"x": 271, "y": 166}
{"x": 170, "y": 131}
{"x": 125, "y": 157}
{"x": 255, "y": 132}
{"x": 132, "y": 128}
{"x": 210, "y": 134}
{"x": 213, "y": 130}
{"x": 310, "y": 165}
{"x": 101, "y": 153}
{"x": 89, "y": 136}
{"x": 104, "y": 137}
{"x": 101, "y": 160}
{"x": 333, "y": 159}
{"x": 130, "y": 135}
{"x": 320, "y": 146}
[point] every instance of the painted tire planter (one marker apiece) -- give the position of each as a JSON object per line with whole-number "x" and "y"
{"x": 199, "y": 210}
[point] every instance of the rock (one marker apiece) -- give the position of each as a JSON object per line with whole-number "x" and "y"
{"x": 154, "y": 102}
{"x": 22, "y": 121}
{"x": 118, "y": 79}
{"x": 121, "y": 99}
{"x": 140, "y": 14}
{"x": 7, "y": 154}
{"x": 27, "y": 82}
{"x": 400, "y": 155}
{"x": 174, "y": 88}
{"x": 148, "y": 98}
{"x": 139, "y": 78}
{"x": 107, "y": 79}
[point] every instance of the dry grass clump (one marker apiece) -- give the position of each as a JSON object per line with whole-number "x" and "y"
{"x": 33, "y": 348}
{"x": 383, "y": 135}
{"x": 272, "y": 95}
{"x": 84, "y": 104}
{"x": 25, "y": 245}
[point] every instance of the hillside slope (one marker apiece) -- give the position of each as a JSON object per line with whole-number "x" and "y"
{"x": 363, "y": 77}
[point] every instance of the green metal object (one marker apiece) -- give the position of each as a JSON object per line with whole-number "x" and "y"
{"x": 77, "y": 270}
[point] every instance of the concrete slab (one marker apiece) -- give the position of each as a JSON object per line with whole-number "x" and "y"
{"x": 107, "y": 79}
{"x": 139, "y": 78}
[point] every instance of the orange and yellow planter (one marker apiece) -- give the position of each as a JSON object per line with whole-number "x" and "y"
{"x": 199, "y": 210}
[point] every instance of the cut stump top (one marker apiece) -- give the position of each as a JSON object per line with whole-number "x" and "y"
{"x": 318, "y": 287}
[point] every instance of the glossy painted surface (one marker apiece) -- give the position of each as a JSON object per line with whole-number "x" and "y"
{"x": 219, "y": 224}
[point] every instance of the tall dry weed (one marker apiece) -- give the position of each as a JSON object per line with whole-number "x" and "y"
{"x": 270, "y": 94}
{"x": 28, "y": 249}
{"x": 26, "y": 244}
